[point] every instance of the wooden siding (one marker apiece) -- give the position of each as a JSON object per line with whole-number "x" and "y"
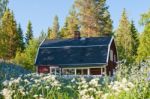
{"x": 43, "y": 69}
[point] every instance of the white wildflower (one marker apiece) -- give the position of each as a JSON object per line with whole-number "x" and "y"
{"x": 35, "y": 96}
{"x": 73, "y": 80}
{"x": 85, "y": 86}
{"x": 26, "y": 81}
{"x": 47, "y": 87}
{"x": 124, "y": 80}
{"x": 7, "y": 93}
{"x": 130, "y": 85}
{"x": 92, "y": 89}
{"x": 6, "y": 82}
{"x": 94, "y": 82}
{"x": 105, "y": 96}
{"x": 126, "y": 89}
{"x": 82, "y": 92}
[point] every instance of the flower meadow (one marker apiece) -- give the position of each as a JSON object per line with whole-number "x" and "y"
{"x": 127, "y": 83}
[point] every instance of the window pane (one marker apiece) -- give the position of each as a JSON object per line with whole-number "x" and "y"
{"x": 57, "y": 71}
{"x": 79, "y": 72}
{"x": 53, "y": 71}
{"x": 84, "y": 71}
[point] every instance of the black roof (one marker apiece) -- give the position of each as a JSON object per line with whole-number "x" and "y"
{"x": 74, "y": 52}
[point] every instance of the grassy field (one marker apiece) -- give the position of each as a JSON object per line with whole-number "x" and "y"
{"x": 128, "y": 83}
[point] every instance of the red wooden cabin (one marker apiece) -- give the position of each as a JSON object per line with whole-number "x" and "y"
{"x": 77, "y": 56}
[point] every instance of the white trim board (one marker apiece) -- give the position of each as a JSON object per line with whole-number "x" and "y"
{"x": 109, "y": 48}
{"x": 38, "y": 51}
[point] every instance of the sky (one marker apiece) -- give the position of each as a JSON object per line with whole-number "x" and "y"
{"x": 41, "y": 12}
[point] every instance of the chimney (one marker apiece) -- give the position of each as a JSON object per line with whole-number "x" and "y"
{"x": 77, "y": 35}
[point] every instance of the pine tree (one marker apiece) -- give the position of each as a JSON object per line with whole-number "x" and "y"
{"x": 3, "y": 6}
{"x": 3, "y": 44}
{"x": 42, "y": 36}
{"x": 21, "y": 45}
{"x": 9, "y": 29}
{"x": 55, "y": 29}
{"x": 135, "y": 39}
{"x": 64, "y": 30}
{"x": 123, "y": 37}
{"x": 49, "y": 31}
{"x": 104, "y": 21}
{"x": 29, "y": 33}
{"x": 94, "y": 17}
{"x": 71, "y": 24}
{"x": 144, "y": 46}
{"x": 3, "y": 36}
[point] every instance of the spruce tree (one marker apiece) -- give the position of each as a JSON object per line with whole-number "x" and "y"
{"x": 135, "y": 39}
{"x": 21, "y": 45}
{"x": 29, "y": 32}
{"x": 9, "y": 29}
{"x": 144, "y": 46}
{"x": 103, "y": 18}
{"x": 124, "y": 37}
{"x": 55, "y": 29}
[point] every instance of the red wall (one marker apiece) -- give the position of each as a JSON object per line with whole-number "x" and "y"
{"x": 43, "y": 69}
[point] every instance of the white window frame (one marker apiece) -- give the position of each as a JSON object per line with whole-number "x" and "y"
{"x": 55, "y": 69}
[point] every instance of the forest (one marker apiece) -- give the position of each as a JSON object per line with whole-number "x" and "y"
{"x": 92, "y": 18}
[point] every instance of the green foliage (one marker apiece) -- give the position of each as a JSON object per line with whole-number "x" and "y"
{"x": 3, "y": 6}
{"x": 3, "y": 42}
{"x": 29, "y": 33}
{"x": 94, "y": 18}
{"x": 104, "y": 20}
{"x": 42, "y": 36}
{"x": 124, "y": 37}
{"x": 21, "y": 44}
{"x": 144, "y": 47}
{"x": 27, "y": 58}
{"x": 49, "y": 32}
{"x": 71, "y": 24}
{"x": 55, "y": 30}
{"x": 135, "y": 39}
{"x": 9, "y": 35}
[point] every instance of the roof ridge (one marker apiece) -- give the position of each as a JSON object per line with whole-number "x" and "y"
{"x": 75, "y": 46}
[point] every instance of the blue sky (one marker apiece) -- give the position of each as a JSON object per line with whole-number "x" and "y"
{"x": 42, "y": 12}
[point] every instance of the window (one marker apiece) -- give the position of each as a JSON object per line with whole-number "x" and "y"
{"x": 55, "y": 71}
{"x": 111, "y": 55}
{"x": 68, "y": 71}
{"x": 82, "y": 72}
